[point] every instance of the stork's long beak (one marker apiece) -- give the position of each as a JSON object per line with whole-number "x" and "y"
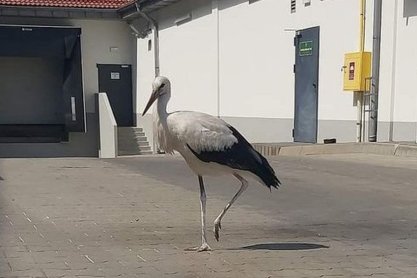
{"x": 152, "y": 99}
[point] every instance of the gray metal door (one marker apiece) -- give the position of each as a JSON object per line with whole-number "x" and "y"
{"x": 116, "y": 81}
{"x": 306, "y": 71}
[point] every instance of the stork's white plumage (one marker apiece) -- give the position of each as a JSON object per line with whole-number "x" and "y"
{"x": 210, "y": 146}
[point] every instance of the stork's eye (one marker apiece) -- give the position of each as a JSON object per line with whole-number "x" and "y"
{"x": 162, "y": 85}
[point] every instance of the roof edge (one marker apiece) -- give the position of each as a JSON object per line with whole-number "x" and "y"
{"x": 57, "y": 12}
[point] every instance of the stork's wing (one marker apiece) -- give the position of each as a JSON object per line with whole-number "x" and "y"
{"x": 200, "y": 131}
{"x": 213, "y": 140}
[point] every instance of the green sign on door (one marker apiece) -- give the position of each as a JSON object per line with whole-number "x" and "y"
{"x": 306, "y": 48}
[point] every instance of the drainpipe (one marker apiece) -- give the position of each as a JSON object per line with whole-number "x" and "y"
{"x": 393, "y": 72}
{"x": 217, "y": 15}
{"x": 359, "y": 95}
{"x": 155, "y": 30}
{"x": 373, "y": 114}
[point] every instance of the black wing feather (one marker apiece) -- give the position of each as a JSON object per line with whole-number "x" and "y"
{"x": 242, "y": 156}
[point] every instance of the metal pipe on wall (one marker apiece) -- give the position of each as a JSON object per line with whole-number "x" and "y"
{"x": 359, "y": 95}
{"x": 217, "y": 14}
{"x": 376, "y": 51}
{"x": 393, "y": 72}
{"x": 155, "y": 31}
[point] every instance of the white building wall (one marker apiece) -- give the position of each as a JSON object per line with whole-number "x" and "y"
{"x": 96, "y": 39}
{"x": 188, "y": 58}
{"x": 405, "y": 107}
{"x": 397, "y": 99}
{"x": 406, "y": 69}
{"x": 256, "y": 60}
{"x": 339, "y": 34}
{"x": 250, "y": 48}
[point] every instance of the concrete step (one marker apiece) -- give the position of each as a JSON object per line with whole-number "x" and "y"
{"x": 132, "y": 137}
{"x": 131, "y": 132}
{"x": 145, "y": 148}
{"x": 143, "y": 143}
{"x": 123, "y": 153}
{"x": 129, "y": 129}
{"x": 132, "y": 141}
{"x": 141, "y": 138}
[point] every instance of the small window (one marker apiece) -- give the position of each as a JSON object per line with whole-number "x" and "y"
{"x": 293, "y": 5}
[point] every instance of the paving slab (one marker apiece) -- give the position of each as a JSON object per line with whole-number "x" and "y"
{"x": 345, "y": 215}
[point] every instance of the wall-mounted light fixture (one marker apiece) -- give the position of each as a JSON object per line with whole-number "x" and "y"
{"x": 149, "y": 45}
{"x": 183, "y": 19}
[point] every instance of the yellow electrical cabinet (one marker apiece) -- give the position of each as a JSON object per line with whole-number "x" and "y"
{"x": 356, "y": 71}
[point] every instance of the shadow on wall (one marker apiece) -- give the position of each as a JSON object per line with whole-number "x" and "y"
{"x": 410, "y": 8}
{"x": 188, "y": 10}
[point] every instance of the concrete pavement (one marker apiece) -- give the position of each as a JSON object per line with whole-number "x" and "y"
{"x": 336, "y": 216}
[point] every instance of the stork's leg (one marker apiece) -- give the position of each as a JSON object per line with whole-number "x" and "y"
{"x": 204, "y": 246}
{"x": 217, "y": 222}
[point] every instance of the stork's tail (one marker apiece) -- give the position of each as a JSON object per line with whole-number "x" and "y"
{"x": 265, "y": 172}
{"x": 255, "y": 162}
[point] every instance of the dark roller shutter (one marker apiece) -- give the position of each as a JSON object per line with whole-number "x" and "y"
{"x": 57, "y": 42}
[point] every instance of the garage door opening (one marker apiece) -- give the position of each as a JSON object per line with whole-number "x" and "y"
{"x": 41, "y": 95}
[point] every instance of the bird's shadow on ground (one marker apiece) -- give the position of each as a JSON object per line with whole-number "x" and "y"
{"x": 283, "y": 246}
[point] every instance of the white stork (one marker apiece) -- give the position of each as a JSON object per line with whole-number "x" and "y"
{"x": 210, "y": 146}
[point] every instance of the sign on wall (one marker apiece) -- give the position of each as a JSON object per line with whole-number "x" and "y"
{"x": 115, "y": 75}
{"x": 306, "y": 48}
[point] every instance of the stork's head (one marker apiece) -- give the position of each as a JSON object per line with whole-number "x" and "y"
{"x": 160, "y": 87}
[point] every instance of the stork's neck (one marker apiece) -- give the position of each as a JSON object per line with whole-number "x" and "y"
{"x": 161, "y": 106}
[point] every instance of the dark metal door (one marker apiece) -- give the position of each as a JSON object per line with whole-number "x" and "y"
{"x": 116, "y": 81}
{"x": 306, "y": 84}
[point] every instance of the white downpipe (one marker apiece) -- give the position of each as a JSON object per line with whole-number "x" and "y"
{"x": 155, "y": 31}
{"x": 108, "y": 128}
{"x": 393, "y": 72}
{"x": 216, "y": 12}
{"x": 359, "y": 95}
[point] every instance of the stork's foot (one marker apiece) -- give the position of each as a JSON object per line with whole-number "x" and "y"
{"x": 203, "y": 247}
{"x": 217, "y": 228}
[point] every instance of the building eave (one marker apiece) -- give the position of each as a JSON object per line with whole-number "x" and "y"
{"x": 53, "y": 12}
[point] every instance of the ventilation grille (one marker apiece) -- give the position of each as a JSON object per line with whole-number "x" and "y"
{"x": 293, "y": 4}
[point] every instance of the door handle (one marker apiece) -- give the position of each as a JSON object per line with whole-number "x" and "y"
{"x": 315, "y": 85}
{"x": 73, "y": 112}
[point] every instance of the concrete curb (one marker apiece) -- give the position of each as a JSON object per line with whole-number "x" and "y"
{"x": 340, "y": 148}
{"x": 404, "y": 150}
